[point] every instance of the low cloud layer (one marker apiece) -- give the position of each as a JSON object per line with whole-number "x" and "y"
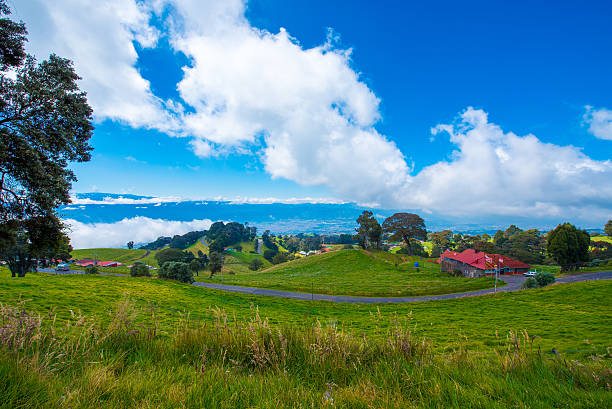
{"x": 138, "y": 229}
{"x": 307, "y": 113}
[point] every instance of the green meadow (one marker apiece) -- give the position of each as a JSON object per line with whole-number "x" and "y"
{"x": 118, "y": 342}
{"x": 356, "y": 272}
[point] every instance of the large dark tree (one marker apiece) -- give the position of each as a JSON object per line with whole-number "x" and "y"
{"x": 45, "y": 123}
{"x": 369, "y": 232}
{"x": 405, "y": 227}
{"x": 608, "y": 228}
{"x": 569, "y": 246}
{"x": 215, "y": 263}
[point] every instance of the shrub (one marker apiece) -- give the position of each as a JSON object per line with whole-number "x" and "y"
{"x": 256, "y": 264}
{"x": 238, "y": 248}
{"x": 544, "y": 278}
{"x": 92, "y": 270}
{"x": 174, "y": 270}
{"x": 269, "y": 255}
{"x": 529, "y": 283}
{"x": 140, "y": 270}
{"x": 279, "y": 258}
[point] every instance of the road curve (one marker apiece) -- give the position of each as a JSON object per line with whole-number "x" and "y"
{"x": 513, "y": 284}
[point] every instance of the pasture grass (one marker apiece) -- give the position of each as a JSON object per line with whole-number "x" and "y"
{"x": 124, "y": 256}
{"x": 127, "y": 361}
{"x": 565, "y": 316}
{"x": 357, "y": 272}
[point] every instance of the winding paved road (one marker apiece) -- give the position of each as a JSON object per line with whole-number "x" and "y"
{"x": 513, "y": 284}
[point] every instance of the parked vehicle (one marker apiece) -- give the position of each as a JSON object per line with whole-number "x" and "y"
{"x": 62, "y": 267}
{"x": 530, "y": 273}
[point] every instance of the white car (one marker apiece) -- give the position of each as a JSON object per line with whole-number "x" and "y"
{"x": 62, "y": 267}
{"x": 530, "y": 273}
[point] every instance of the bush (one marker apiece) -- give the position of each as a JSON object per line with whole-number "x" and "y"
{"x": 174, "y": 270}
{"x": 256, "y": 264}
{"x": 279, "y": 258}
{"x": 238, "y": 248}
{"x": 269, "y": 255}
{"x": 140, "y": 270}
{"x": 529, "y": 283}
{"x": 92, "y": 270}
{"x": 544, "y": 278}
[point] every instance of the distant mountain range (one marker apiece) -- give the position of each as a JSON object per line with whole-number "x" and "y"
{"x": 277, "y": 217}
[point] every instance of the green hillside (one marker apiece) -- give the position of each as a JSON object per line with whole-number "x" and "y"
{"x": 124, "y": 256}
{"x": 357, "y": 272}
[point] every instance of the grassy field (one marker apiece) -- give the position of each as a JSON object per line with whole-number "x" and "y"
{"x": 120, "y": 342}
{"x": 563, "y": 316}
{"x": 357, "y": 272}
{"x": 124, "y": 256}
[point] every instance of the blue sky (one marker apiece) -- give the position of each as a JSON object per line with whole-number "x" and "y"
{"x": 486, "y": 74}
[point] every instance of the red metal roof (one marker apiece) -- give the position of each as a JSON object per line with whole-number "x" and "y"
{"x": 482, "y": 260}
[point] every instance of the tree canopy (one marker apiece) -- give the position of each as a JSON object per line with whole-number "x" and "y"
{"x": 45, "y": 124}
{"x": 569, "y": 246}
{"x": 405, "y": 227}
{"x": 369, "y": 232}
{"x": 608, "y": 228}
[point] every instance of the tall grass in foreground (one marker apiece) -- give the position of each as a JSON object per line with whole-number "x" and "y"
{"x": 122, "y": 364}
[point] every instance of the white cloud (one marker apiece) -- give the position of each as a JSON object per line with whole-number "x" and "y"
{"x": 139, "y": 229}
{"x": 599, "y": 122}
{"x": 125, "y": 200}
{"x": 99, "y": 37}
{"x": 307, "y": 112}
{"x": 497, "y": 173}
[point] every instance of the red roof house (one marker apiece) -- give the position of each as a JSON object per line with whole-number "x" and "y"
{"x": 477, "y": 263}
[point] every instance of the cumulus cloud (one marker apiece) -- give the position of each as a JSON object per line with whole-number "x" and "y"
{"x": 306, "y": 112}
{"x": 99, "y": 37}
{"x": 139, "y": 229}
{"x": 493, "y": 172}
{"x": 599, "y": 122}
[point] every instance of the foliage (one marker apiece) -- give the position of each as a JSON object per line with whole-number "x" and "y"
{"x": 569, "y": 246}
{"x": 256, "y": 264}
{"x": 269, "y": 255}
{"x": 45, "y": 124}
{"x": 529, "y": 283}
{"x": 435, "y": 251}
{"x": 178, "y": 271}
{"x": 171, "y": 254}
{"x": 140, "y": 270}
{"x": 600, "y": 250}
{"x": 42, "y": 238}
{"x": 608, "y": 228}
{"x": 92, "y": 270}
{"x": 268, "y": 242}
{"x": 407, "y": 227}
{"x": 442, "y": 239}
{"x": 544, "y": 278}
{"x": 180, "y": 242}
{"x": 280, "y": 257}
{"x": 369, "y": 232}
{"x": 215, "y": 263}
{"x": 528, "y": 246}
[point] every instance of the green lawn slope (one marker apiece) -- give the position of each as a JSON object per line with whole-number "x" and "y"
{"x": 357, "y": 272}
